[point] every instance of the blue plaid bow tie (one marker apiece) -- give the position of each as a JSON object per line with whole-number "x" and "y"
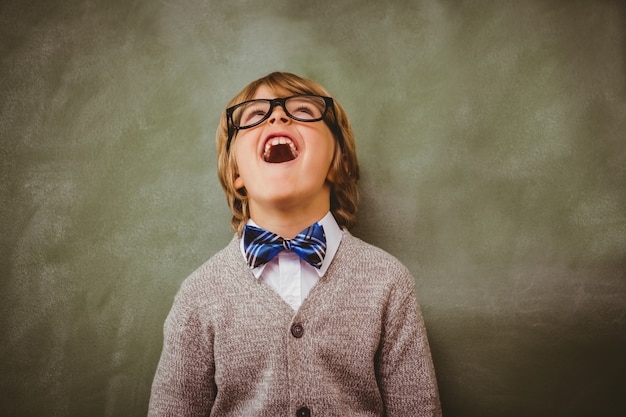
{"x": 261, "y": 245}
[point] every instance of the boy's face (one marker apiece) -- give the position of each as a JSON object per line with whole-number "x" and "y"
{"x": 284, "y": 164}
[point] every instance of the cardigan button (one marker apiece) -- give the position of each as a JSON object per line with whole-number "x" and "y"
{"x": 303, "y": 412}
{"x": 297, "y": 331}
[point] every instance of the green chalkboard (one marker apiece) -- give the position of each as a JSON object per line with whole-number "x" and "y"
{"x": 491, "y": 140}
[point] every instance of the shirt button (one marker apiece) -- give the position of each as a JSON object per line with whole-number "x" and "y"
{"x": 303, "y": 412}
{"x": 297, "y": 331}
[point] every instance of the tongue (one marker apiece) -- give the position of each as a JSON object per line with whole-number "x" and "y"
{"x": 279, "y": 153}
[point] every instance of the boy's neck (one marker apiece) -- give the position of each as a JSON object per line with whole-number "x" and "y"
{"x": 287, "y": 225}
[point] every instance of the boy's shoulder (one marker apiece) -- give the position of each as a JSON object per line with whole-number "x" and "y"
{"x": 223, "y": 267}
{"x": 359, "y": 264}
{"x": 363, "y": 255}
{"x": 359, "y": 247}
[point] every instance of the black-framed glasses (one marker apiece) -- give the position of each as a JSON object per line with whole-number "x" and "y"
{"x": 303, "y": 108}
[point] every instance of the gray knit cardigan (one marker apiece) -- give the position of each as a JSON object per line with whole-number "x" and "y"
{"x": 356, "y": 347}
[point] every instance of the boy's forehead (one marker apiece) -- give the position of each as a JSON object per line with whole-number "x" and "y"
{"x": 265, "y": 91}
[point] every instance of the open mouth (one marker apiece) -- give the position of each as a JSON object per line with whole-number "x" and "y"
{"x": 279, "y": 149}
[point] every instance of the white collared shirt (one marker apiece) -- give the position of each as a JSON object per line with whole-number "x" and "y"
{"x": 291, "y": 277}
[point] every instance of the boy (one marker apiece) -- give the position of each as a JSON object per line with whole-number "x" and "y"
{"x": 295, "y": 317}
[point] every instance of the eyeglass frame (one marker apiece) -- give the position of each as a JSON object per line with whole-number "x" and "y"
{"x": 328, "y": 101}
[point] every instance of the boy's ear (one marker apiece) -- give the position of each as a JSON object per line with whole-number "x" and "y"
{"x": 331, "y": 176}
{"x": 238, "y": 183}
{"x": 333, "y": 173}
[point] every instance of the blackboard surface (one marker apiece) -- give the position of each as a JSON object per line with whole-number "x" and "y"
{"x": 491, "y": 139}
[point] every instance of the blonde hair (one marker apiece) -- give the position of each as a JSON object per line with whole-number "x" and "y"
{"x": 344, "y": 169}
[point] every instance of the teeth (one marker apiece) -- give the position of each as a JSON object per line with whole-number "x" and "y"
{"x": 279, "y": 141}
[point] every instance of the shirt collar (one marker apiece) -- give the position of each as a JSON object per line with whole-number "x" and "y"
{"x": 333, "y": 238}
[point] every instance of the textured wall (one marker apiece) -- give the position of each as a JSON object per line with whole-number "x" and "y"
{"x": 491, "y": 138}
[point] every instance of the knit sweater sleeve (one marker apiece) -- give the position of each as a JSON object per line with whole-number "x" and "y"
{"x": 183, "y": 384}
{"x": 405, "y": 369}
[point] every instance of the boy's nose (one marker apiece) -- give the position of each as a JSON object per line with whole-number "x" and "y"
{"x": 278, "y": 113}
